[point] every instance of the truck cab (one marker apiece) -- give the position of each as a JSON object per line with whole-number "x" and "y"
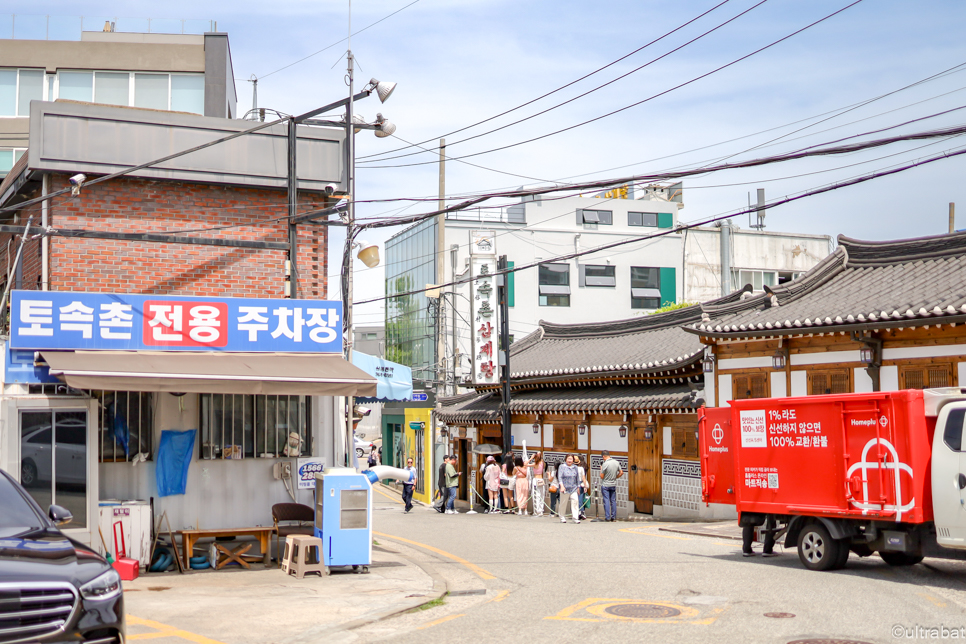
{"x": 948, "y": 407}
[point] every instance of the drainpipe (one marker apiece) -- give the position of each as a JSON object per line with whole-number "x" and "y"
{"x": 725, "y": 252}
{"x": 45, "y": 240}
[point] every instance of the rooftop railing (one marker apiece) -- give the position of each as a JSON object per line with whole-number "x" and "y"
{"x": 46, "y": 27}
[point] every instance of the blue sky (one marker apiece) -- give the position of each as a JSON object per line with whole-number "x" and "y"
{"x": 458, "y": 62}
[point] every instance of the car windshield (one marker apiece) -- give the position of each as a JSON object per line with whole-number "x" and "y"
{"x": 16, "y": 515}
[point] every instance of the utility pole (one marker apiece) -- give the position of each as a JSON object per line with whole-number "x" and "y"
{"x": 291, "y": 271}
{"x": 504, "y": 350}
{"x": 441, "y": 274}
{"x": 725, "y": 252}
{"x": 453, "y": 251}
{"x": 347, "y": 267}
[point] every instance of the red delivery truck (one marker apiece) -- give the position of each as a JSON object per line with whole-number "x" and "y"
{"x": 877, "y": 472}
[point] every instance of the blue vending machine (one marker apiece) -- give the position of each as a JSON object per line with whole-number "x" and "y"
{"x": 343, "y": 518}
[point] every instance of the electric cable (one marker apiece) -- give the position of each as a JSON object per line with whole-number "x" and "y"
{"x": 664, "y": 232}
{"x": 562, "y": 87}
{"x": 635, "y": 104}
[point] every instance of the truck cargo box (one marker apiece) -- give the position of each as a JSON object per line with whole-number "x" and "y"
{"x": 864, "y": 455}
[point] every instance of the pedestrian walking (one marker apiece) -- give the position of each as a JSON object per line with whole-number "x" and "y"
{"x": 568, "y": 482}
{"x": 520, "y": 480}
{"x": 452, "y": 484}
{"x": 610, "y": 471}
{"x": 491, "y": 476}
{"x": 553, "y": 488}
{"x": 584, "y": 485}
{"x": 441, "y": 484}
{"x": 506, "y": 482}
{"x": 538, "y": 487}
{"x": 410, "y": 486}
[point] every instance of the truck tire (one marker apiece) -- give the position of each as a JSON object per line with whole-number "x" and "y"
{"x": 900, "y": 558}
{"x": 817, "y": 550}
{"x": 843, "y": 559}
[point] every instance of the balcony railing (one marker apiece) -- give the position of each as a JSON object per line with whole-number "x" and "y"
{"x": 515, "y": 214}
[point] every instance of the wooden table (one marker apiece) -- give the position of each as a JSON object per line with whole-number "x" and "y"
{"x": 263, "y": 534}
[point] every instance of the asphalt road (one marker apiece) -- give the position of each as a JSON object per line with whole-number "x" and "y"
{"x": 548, "y": 582}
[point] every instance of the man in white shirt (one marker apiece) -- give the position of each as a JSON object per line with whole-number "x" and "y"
{"x": 409, "y": 486}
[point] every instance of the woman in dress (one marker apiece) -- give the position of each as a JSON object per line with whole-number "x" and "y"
{"x": 491, "y": 475}
{"x": 522, "y": 486}
{"x": 538, "y": 488}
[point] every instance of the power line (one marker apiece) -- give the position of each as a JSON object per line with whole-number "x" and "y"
{"x": 627, "y": 107}
{"x": 356, "y": 33}
{"x": 562, "y": 87}
{"x": 665, "y": 232}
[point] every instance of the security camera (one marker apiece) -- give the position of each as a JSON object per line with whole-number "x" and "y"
{"x": 76, "y": 182}
{"x": 330, "y": 188}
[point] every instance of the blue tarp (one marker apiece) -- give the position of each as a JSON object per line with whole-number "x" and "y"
{"x": 394, "y": 381}
{"x": 174, "y": 456}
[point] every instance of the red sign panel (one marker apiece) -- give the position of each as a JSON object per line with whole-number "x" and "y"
{"x": 185, "y": 324}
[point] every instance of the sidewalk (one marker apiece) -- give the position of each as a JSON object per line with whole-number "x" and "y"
{"x": 263, "y": 605}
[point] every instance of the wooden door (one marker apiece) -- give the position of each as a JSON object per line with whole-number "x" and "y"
{"x": 644, "y": 463}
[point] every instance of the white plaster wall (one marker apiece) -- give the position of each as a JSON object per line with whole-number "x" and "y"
{"x": 219, "y": 493}
{"x": 778, "y": 384}
{"x": 724, "y": 390}
{"x": 607, "y": 437}
{"x": 547, "y": 436}
{"x": 751, "y": 249}
{"x": 799, "y": 383}
{"x": 961, "y": 372}
{"x": 709, "y": 389}
{"x": 582, "y": 441}
{"x": 889, "y": 378}
{"x": 862, "y": 379}
{"x": 521, "y": 432}
{"x": 668, "y": 440}
{"x": 830, "y": 357}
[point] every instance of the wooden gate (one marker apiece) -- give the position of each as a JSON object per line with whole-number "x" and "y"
{"x": 644, "y": 463}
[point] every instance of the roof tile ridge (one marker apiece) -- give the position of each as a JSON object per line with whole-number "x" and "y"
{"x": 902, "y": 251}
{"x": 653, "y": 322}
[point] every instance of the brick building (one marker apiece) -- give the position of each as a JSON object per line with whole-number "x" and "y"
{"x": 210, "y": 224}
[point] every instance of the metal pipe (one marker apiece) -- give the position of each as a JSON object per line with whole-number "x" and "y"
{"x": 952, "y": 217}
{"x": 725, "y": 252}
{"x": 16, "y": 263}
{"x": 292, "y": 210}
{"x": 453, "y": 252}
{"x": 45, "y": 240}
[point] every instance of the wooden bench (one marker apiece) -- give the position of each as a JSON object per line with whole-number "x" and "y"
{"x": 262, "y": 534}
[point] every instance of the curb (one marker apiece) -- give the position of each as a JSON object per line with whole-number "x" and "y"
{"x": 440, "y": 589}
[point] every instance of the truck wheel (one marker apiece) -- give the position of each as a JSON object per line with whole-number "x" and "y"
{"x": 816, "y": 548}
{"x": 900, "y": 558}
{"x": 843, "y": 560}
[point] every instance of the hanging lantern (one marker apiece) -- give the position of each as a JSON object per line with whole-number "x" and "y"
{"x": 582, "y": 428}
{"x": 536, "y": 428}
{"x": 778, "y": 360}
{"x": 866, "y": 355}
{"x": 623, "y": 431}
{"x": 707, "y": 363}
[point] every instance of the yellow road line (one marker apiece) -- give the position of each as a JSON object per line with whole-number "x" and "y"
{"x": 390, "y": 497}
{"x": 166, "y": 631}
{"x": 937, "y": 602}
{"x": 500, "y": 596}
{"x": 440, "y": 621}
{"x": 472, "y": 566}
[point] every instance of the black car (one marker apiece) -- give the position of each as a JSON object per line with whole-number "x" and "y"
{"x": 52, "y": 588}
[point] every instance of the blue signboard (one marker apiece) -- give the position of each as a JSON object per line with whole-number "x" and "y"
{"x": 420, "y": 397}
{"x": 19, "y": 367}
{"x": 122, "y": 322}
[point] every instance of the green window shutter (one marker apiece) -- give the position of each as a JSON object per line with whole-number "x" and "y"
{"x": 669, "y": 285}
{"x": 665, "y": 220}
{"x": 510, "y": 296}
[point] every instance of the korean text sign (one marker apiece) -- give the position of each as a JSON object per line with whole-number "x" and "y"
{"x": 123, "y": 322}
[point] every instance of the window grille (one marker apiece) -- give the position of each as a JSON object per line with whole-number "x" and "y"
{"x": 126, "y": 422}
{"x": 754, "y": 385}
{"x": 235, "y": 426}
{"x": 835, "y": 381}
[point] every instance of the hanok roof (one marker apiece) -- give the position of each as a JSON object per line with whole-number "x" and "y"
{"x": 481, "y": 408}
{"x": 648, "y": 344}
{"x": 861, "y": 286}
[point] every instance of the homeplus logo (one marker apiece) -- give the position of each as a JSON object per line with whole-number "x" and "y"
{"x": 720, "y": 450}
{"x": 867, "y": 422}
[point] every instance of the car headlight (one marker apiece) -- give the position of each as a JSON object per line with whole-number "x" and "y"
{"x": 106, "y": 586}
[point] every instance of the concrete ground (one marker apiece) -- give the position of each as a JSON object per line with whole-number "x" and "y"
{"x": 263, "y": 605}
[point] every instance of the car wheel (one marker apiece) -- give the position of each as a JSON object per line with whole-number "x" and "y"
{"x": 28, "y": 473}
{"x": 816, "y": 548}
{"x": 900, "y": 558}
{"x": 359, "y": 452}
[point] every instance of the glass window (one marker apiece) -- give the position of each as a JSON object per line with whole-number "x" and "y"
{"x": 76, "y": 86}
{"x": 642, "y": 219}
{"x": 188, "y": 93}
{"x": 241, "y": 426}
{"x": 604, "y": 217}
{"x": 554, "y": 287}
{"x": 953, "y": 432}
{"x": 645, "y": 287}
{"x": 757, "y": 279}
{"x": 16, "y": 515}
{"x": 151, "y": 90}
{"x": 112, "y": 88}
{"x": 6, "y": 161}
{"x": 127, "y": 425}
{"x": 600, "y": 275}
{"x": 31, "y": 89}
{"x": 8, "y": 92}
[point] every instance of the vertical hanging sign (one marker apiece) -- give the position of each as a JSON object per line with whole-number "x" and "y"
{"x": 483, "y": 300}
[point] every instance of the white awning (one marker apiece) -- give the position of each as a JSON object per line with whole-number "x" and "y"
{"x": 304, "y": 374}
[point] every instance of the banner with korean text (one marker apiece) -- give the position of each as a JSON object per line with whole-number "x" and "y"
{"x": 484, "y": 302}
{"x": 124, "y": 322}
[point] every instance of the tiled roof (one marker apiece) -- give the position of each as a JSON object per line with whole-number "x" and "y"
{"x": 629, "y": 398}
{"x": 862, "y": 285}
{"x": 646, "y": 344}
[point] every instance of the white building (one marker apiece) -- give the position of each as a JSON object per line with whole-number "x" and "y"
{"x": 758, "y": 257}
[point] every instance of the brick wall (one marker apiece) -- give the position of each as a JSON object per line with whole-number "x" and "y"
{"x": 173, "y": 207}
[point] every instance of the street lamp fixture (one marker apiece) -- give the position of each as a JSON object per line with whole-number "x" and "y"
{"x": 707, "y": 363}
{"x": 536, "y": 427}
{"x": 385, "y": 127}
{"x": 622, "y": 430}
{"x": 778, "y": 360}
{"x": 383, "y": 89}
{"x": 582, "y": 428}
{"x": 866, "y": 355}
{"x": 369, "y": 254}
